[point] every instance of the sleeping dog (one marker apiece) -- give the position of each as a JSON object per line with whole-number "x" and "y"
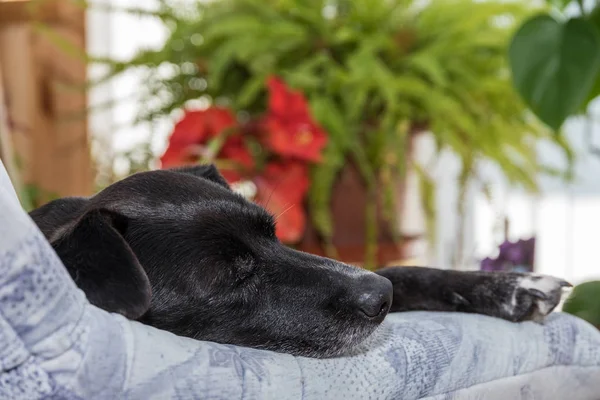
{"x": 180, "y": 251}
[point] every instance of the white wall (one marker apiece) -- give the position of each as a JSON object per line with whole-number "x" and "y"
{"x": 565, "y": 218}
{"x": 119, "y": 36}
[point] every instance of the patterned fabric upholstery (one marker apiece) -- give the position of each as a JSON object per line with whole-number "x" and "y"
{"x": 53, "y": 344}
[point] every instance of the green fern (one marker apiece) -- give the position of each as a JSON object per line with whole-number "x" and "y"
{"x": 373, "y": 70}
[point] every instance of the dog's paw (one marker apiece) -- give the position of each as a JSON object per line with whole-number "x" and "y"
{"x": 535, "y": 296}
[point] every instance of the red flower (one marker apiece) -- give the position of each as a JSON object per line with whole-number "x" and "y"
{"x": 281, "y": 189}
{"x": 191, "y": 134}
{"x": 290, "y": 129}
{"x": 234, "y": 150}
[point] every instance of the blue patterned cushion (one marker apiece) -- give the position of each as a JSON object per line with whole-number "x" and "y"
{"x": 53, "y": 344}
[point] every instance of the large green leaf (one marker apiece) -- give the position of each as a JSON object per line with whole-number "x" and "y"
{"x": 594, "y": 19}
{"x": 554, "y": 65}
{"x": 584, "y": 302}
{"x": 560, "y": 4}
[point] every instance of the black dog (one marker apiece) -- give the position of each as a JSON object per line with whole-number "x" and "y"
{"x": 179, "y": 250}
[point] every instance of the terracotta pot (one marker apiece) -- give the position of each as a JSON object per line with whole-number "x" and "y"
{"x": 348, "y": 207}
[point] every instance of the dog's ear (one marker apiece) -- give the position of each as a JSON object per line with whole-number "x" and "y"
{"x": 51, "y": 216}
{"x": 206, "y": 171}
{"x": 102, "y": 264}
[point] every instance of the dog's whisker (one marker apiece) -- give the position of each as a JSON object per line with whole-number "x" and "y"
{"x": 271, "y": 195}
{"x": 284, "y": 211}
{"x": 265, "y": 204}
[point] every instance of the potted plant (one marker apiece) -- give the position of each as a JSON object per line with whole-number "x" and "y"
{"x": 361, "y": 79}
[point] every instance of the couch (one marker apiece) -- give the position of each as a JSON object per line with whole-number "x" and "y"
{"x": 55, "y": 345}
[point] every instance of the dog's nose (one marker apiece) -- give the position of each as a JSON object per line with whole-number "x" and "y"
{"x": 374, "y": 297}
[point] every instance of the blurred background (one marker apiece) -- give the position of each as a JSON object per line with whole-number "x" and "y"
{"x": 379, "y": 132}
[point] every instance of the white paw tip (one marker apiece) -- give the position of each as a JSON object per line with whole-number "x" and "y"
{"x": 545, "y": 289}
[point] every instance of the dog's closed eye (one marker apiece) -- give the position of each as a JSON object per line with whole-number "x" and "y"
{"x": 245, "y": 269}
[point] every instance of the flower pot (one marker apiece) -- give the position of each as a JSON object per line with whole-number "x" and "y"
{"x": 348, "y": 209}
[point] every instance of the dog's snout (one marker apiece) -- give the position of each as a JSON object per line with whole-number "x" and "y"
{"x": 374, "y": 297}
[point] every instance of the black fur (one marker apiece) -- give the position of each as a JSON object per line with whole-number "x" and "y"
{"x": 497, "y": 294}
{"x": 179, "y": 250}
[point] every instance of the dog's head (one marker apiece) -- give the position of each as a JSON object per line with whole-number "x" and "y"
{"x": 179, "y": 250}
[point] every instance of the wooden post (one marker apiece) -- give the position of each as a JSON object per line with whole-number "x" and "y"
{"x": 7, "y": 153}
{"x": 43, "y": 90}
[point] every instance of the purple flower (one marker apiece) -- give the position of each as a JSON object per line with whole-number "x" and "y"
{"x": 511, "y": 256}
{"x": 528, "y": 247}
{"x": 515, "y": 254}
{"x": 489, "y": 264}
